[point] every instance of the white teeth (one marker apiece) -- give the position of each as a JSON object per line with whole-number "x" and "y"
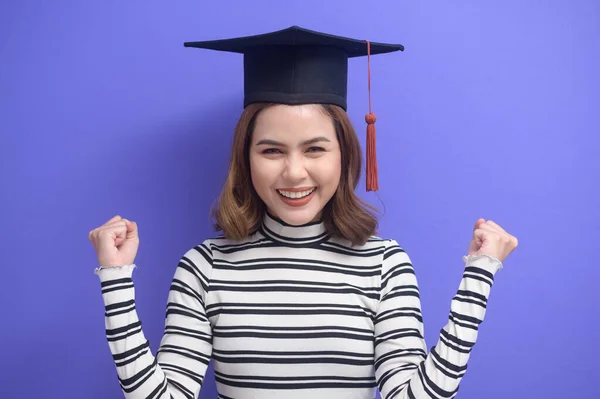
{"x": 297, "y": 194}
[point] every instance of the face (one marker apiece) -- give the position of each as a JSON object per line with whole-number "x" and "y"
{"x": 295, "y": 161}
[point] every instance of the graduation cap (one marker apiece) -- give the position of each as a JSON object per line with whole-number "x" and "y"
{"x": 300, "y": 66}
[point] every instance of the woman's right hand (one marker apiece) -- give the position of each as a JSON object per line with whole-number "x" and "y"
{"x": 116, "y": 242}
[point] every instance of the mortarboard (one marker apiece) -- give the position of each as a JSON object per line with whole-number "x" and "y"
{"x": 300, "y": 66}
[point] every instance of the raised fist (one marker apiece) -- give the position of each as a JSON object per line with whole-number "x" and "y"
{"x": 116, "y": 242}
{"x": 492, "y": 240}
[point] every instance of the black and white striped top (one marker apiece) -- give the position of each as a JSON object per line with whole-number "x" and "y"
{"x": 293, "y": 313}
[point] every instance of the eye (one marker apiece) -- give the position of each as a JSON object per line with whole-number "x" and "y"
{"x": 271, "y": 151}
{"x": 315, "y": 149}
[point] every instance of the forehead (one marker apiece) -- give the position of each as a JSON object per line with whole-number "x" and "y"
{"x": 293, "y": 123}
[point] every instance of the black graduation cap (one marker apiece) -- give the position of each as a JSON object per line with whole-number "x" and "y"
{"x": 301, "y": 66}
{"x": 296, "y": 65}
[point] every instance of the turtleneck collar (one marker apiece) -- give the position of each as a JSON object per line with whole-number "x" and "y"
{"x": 278, "y": 230}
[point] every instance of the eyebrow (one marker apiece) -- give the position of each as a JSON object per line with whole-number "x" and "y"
{"x": 306, "y": 142}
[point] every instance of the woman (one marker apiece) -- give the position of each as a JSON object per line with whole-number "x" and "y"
{"x": 298, "y": 297}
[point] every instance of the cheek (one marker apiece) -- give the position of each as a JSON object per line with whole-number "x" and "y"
{"x": 262, "y": 173}
{"x": 255, "y": 173}
{"x": 328, "y": 172}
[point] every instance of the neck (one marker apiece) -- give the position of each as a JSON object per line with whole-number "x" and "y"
{"x": 278, "y": 230}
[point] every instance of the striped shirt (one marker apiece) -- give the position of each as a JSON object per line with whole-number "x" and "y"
{"x": 293, "y": 312}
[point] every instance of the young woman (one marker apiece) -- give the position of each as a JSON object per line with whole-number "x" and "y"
{"x": 298, "y": 297}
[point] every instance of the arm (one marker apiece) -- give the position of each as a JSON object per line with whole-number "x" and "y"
{"x": 186, "y": 347}
{"x": 403, "y": 367}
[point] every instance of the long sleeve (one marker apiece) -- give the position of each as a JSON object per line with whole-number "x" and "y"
{"x": 404, "y": 369}
{"x": 179, "y": 367}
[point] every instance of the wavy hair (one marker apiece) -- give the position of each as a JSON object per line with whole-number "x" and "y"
{"x": 239, "y": 210}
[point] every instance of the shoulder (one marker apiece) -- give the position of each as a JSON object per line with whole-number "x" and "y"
{"x": 384, "y": 243}
{"x": 375, "y": 245}
{"x": 221, "y": 244}
{"x": 393, "y": 253}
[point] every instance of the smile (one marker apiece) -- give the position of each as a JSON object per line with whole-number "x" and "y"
{"x": 296, "y": 194}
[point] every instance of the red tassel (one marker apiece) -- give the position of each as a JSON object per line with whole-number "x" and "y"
{"x": 372, "y": 175}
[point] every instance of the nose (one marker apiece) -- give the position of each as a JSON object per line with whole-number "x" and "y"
{"x": 295, "y": 169}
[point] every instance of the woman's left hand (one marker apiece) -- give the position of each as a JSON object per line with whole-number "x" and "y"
{"x": 492, "y": 240}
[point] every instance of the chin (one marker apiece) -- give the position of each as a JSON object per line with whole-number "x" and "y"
{"x": 297, "y": 217}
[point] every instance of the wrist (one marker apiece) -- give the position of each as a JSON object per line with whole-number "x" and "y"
{"x": 108, "y": 271}
{"x": 486, "y": 262}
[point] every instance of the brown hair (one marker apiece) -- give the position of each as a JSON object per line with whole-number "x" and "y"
{"x": 240, "y": 211}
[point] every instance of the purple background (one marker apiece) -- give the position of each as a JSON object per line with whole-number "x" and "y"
{"x": 492, "y": 111}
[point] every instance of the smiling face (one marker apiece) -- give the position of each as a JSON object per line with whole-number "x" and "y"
{"x": 295, "y": 161}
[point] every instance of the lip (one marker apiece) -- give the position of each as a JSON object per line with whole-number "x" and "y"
{"x": 297, "y": 202}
